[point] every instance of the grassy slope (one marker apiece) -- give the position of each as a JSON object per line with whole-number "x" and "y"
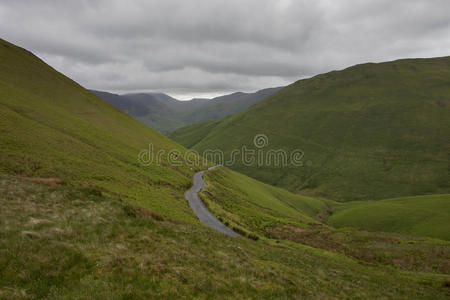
{"x": 247, "y": 203}
{"x": 261, "y": 210}
{"x": 65, "y": 243}
{"x": 52, "y": 127}
{"x": 160, "y": 122}
{"x": 193, "y": 134}
{"x": 420, "y": 215}
{"x": 372, "y": 131}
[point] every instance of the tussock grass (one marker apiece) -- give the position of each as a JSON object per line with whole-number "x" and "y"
{"x": 404, "y": 252}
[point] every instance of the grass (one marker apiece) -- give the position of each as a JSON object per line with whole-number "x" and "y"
{"x": 192, "y": 134}
{"x": 418, "y": 254}
{"x": 420, "y": 215}
{"x": 257, "y": 209}
{"x": 369, "y": 132}
{"x": 62, "y": 242}
{"x": 52, "y": 127}
{"x": 246, "y": 203}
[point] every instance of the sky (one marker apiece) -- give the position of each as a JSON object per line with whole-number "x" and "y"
{"x": 205, "y": 48}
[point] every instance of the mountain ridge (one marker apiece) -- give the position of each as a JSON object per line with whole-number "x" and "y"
{"x": 165, "y": 113}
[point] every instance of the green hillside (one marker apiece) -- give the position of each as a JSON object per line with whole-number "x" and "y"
{"x": 193, "y": 134}
{"x": 244, "y": 202}
{"x": 258, "y": 210}
{"x": 420, "y": 215}
{"x": 372, "y": 131}
{"x": 52, "y": 127}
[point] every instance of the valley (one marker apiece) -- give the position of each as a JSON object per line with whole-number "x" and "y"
{"x": 367, "y": 217}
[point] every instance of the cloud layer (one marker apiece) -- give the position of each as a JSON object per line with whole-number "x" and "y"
{"x": 194, "y": 47}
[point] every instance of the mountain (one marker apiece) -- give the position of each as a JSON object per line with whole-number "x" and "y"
{"x": 368, "y": 132}
{"x": 164, "y": 113}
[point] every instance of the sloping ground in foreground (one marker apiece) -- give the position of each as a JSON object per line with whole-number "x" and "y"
{"x": 64, "y": 242}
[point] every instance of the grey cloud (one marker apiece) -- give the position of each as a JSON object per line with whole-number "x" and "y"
{"x": 190, "y": 47}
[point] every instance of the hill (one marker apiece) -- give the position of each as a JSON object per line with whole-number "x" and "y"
{"x": 164, "y": 113}
{"x": 258, "y": 210}
{"x": 52, "y": 127}
{"x": 190, "y": 135}
{"x": 248, "y": 204}
{"x": 157, "y": 111}
{"x": 421, "y": 215}
{"x": 372, "y": 131}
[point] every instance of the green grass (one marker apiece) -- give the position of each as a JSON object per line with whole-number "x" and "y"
{"x": 260, "y": 210}
{"x": 369, "y": 132}
{"x": 420, "y": 215}
{"x": 192, "y": 134}
{"x": 64, "y": 242}
{"x": 246, "y": 203}
{"x": 52, "y": 127}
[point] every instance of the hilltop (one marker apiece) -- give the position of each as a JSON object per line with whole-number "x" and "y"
{"x": 368, "y": 132}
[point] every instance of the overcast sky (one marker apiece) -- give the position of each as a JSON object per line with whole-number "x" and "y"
{"x": 193, "y": 48}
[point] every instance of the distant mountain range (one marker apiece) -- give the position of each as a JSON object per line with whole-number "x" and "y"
{"x": 165, "y": 114}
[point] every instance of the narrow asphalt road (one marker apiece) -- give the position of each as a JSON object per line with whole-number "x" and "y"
{"x": 203, "y": 213}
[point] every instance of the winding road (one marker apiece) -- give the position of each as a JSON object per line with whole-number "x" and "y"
{"x": 203, "y": 213}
